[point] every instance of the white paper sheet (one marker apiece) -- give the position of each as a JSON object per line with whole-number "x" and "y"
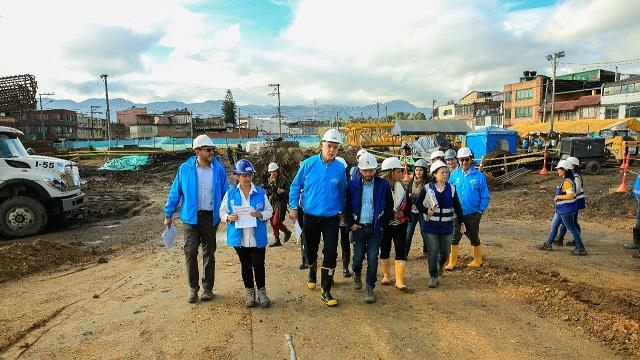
{"x": 245, "y": 220}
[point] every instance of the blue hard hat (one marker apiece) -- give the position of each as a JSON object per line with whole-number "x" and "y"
{"x": 243, "y": 167}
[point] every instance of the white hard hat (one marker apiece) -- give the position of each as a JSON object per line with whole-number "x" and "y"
{"x": 202, "y": 140}
{"x": 564, "y": 164}
{"x": 464, "y": 152}
{"x": 273, "y": 167}
{"x": 342, "y": 161}
{"x": 360, "y": 152}
{"x": 436, "y": 165}
{"x": 391, "y": 163}
{"x": 422, "y": 163}
{"x": 332, "y": 135}
{"x": 573, "y": 160}
{"x": 436, "y": 154}
{"x": 367, "y": 161}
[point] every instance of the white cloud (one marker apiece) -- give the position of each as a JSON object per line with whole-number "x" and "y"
{"x": 337, "y": 51}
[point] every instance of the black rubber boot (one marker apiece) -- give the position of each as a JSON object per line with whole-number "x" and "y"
{"x": 303, "y": 261}
{"x": 326, "y": 278}
{"x": 636, "y": 240}
{"x": 276, "y": 243}
{"x": 313, "y": 276}
{"x": 345, "y": 272}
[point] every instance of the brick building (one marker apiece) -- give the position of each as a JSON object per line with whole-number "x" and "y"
{"x": 128, "y": 117}
{"x": 48, "y": 124}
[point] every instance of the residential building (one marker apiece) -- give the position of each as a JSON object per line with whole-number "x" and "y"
{"x": 587, "y": 107}
{"x": 481, "y": 97}
{"x": 445, "y": 112}
{"x": 523, "y": 100}
{"x": 621, "y": 99}
{"x": 128, "y": 117}
{"x": 47, "y": 124}
{"x": 91, "y": 128}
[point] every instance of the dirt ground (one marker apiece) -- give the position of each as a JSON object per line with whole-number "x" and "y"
{"x": 103, "y": 286}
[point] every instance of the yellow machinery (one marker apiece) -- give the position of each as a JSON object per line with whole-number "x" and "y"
{"x": 374, "y": 134}
{"x": 618, "y": 147}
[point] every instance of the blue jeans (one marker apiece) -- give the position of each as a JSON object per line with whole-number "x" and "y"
{"x": 439, "y": 248}
{"x": 563, "y": 229}
{"x": 414, "y": 219}
{"x": 638, "y": 216}
{"x": 567, "y": 220}
{"x": 366, "y": 241}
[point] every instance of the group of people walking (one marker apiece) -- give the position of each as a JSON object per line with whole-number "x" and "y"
{"x": 368, "y": 207}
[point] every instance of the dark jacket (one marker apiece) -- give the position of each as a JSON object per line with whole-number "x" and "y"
{"x": 278, "y": 201}
{"x": 382, "y": 202}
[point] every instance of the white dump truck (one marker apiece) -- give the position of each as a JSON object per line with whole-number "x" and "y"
{"x": 33, "y": 189}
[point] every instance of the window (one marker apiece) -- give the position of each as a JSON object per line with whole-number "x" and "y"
{"x": 507, "y": 96}
{"x": 507, "y": 113}
{"x": 608, "y": 91}
{"x": 480, "y": 121}
{"x": 524, "y": 94}
{"x": 611, "y": 113}
{"x": 446, "y": 112}
{"x": 523, "y": 112}
{"x": 588, "y": 113}
{"x": 495, "y": 120}
{"x": 616, "y": 90}
{"x": 632, "y": 88}
{"x": 624, "y": 89}
{"x": 633, "y": 110}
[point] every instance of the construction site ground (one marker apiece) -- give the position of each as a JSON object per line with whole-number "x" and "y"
{"x": 104, "y": 286}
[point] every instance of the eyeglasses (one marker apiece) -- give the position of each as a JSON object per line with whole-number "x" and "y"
{"x": 207, "y": 149}
{"x": 465, "y": 159}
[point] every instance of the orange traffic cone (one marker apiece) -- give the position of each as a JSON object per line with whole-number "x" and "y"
{"x": 481, "y": 164}
{"x": 623, "y": 185}
{"x": 544, "y": 163}
{"x": 624, "y": 158}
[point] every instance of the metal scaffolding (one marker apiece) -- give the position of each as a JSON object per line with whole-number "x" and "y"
{"x": 18, "y": 93}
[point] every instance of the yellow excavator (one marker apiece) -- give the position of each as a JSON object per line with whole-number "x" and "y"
{"x": 619, "y": 143}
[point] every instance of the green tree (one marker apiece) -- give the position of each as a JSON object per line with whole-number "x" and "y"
{"x": 400, "y": 115}
{"x": 229, "y": 108}
{"x": 418, "y": 116}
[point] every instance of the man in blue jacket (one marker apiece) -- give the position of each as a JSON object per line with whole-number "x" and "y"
{"x": 324, "y": 182}
{"x": 199, "y": 186}
{"x": 473, "y": 192}
{"x": 368, "y": 208}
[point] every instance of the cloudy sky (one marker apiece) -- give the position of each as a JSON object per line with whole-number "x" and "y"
{"x": 335, "y": 51}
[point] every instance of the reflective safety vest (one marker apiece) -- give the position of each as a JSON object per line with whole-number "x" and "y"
{"x": 441, "y": 222}
{"x": 566, "y": 206}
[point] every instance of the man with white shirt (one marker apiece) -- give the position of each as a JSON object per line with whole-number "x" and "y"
{"x": 199, "y": 186}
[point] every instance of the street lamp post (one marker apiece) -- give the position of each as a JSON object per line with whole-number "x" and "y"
{"x": 554, "y": 58}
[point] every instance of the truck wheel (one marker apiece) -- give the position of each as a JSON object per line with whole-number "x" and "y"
{"x": 593, "y": 167}
{"x": 22, "y": 216}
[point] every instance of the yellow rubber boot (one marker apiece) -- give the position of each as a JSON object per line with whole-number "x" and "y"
{"x": 477, "y": 257}
{"x": 453, "y": 258}
{"x": 400, "y": 268}
{"x": 385, "y": 265}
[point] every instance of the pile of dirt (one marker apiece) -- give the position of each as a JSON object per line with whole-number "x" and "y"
{"x": 20, "y": 259}
{"x": 606, "y": 315}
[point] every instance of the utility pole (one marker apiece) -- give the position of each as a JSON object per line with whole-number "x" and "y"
{"x": 337, "y": 112}
{"x": 93, "y": 111}
{"x": 386, "y": 114}
{"x": 106, "y": 94}
{"x": 378, "y": 107}
{"x": 433, "y": 108}
{"x": 554, "y": 62}
{"x": 44, "y": 131}
{"x": 276, "y": 92}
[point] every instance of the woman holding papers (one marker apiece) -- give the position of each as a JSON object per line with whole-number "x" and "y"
{"x": 246, "y": 209}
{"x": 439, "y": 205}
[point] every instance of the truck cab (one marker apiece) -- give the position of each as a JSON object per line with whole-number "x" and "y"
{"x": 33, "y": 189}
{"x": 589, "y": 150}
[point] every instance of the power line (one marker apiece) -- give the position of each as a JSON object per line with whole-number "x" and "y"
{"x": 620, "y": 62}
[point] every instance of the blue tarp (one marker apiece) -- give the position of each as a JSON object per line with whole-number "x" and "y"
{"x": 490, "y": 139}
{"x": 126, "y": 163}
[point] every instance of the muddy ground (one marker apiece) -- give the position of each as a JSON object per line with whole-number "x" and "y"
{"x": 103, "y": 286}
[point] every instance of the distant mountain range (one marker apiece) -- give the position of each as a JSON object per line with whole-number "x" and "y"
{"x": 213, "y": 107}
